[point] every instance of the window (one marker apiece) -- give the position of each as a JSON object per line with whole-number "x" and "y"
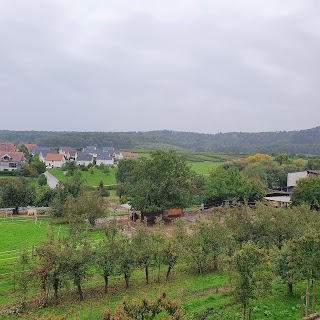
{"x": 12, "y": 165}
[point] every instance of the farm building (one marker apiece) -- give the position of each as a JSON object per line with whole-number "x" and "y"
{"x": 295, "y": 176}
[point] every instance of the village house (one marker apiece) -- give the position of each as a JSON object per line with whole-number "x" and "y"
{"x": 54, "y": 160}
{"x": 35, "y": 151}
{"x": 30, "y": 146}
{"x": 84, "y": 159}
{"x": 124, "y": 154}
{"x": 68, "y": 152}
{"x": 104, "y": 158}
{"x": 91, "y": 150}
{"x": 8, "y": 147}
{"x": 10, "y": 161}
{"x": 108, "y": 149}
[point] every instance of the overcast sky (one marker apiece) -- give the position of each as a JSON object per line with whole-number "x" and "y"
{"x": 122, "y": 65}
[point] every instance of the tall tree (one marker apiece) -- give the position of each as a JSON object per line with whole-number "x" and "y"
{"x": 162, "y": 182}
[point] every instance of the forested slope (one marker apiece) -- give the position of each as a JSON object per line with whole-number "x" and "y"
{"x": 303, "y": 141}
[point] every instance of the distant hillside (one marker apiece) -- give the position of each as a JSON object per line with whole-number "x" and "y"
{"x": 302, "y": 141}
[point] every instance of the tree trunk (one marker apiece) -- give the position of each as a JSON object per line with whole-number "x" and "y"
{"x": 55, "y": 288}
{"x": 244, "y": 308}
{"x": 290, "y": 288}
{"x": 307, "y": 297}
{"x": 168, "y": 272}
{"x": 106, "y": 282}
{"x": 126, "y": 278}
{"x": 314, "y": 297}
{"x": 215, "y": 263}
{"x": 147, "y": 275}
{"x": 159, "y": 272}
{"x": 80, "y": 290}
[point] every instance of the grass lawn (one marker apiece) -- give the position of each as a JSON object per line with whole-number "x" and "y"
{"x": 197, "y": 293}
{"x": 91, "y": 179}
{"x": 204, "y": 167}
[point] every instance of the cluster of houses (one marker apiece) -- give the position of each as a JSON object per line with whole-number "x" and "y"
{"x": 11, "y": 159}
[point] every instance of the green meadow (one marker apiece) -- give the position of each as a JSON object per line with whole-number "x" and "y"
{"x": 92, "y": 179}
{"x": 204, "y": 167}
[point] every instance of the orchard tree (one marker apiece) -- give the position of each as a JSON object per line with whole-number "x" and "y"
{"x": 80, "y": 257}
{"x": 86, "y": 206}
{"x": 284, "y": 269}
{"x": 305, "y": 260}
{"x": 106, "y": 255}
{"x": 16, "y": 193}
{"x": 143, "y": 245}
{"x": 52, "y": 265}
{"x": 248, "y": 277}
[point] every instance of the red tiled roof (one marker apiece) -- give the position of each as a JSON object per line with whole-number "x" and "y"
{"x": 54, "y": 157}
{"x": 7, "y": 147}
{"x": 29, "y": 146}
{"x": 15, "y": 156}
{"x": 129, "y": 154}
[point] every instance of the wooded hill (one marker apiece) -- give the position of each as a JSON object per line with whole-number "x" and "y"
{"x": 302, "y": 141}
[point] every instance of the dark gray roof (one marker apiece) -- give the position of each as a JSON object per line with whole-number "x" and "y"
{"x": 82, "y": 156}
{"x": 104, "y": 156}
{"x": 37, "y": 150}
{"x": 108, "y": 149}
{"x": 45, "y": 152}
{"x": 72, "y": 152}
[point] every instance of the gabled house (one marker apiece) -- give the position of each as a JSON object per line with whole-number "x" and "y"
{"x": 84, "y": 159}
{"x": 35, "y": 151}
{"x": 54, "y": 160}
{"x": 104, "y": 158}
{"x": 30, "y": 146}
{"x": 91, "y": 150}
{"x": 10, "y": 161}
{"x": 10, "y": 147}
{"x": 68, "y": 152}
{"x": 125, "y": 154}
{"x": 108, "y": 149}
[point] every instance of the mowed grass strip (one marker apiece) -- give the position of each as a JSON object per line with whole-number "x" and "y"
{"x": 92, "y": 179}
{"x": 15, "y": 235}
{"x": 205, "y": 167}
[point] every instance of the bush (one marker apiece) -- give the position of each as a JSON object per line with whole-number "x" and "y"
{"x": 42, "y": 180}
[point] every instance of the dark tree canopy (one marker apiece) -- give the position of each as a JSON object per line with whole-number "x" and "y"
{"x": 162, "y": 182}
{"x": 307, "y": 192}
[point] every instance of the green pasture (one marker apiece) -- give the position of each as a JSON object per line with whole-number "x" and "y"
{"x": 204, "y": 167}
{"x": 197, "y": 293}
{"x": 201, "y": 296}
{"x": 91, "y": 179}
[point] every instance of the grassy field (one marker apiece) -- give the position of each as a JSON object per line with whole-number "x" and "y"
{"x": 204, "y": 167}
{"x": 91, "y": 179}
{"x": 197, "y": 293}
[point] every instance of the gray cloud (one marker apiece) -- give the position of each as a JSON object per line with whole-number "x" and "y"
{"x": 205, "y": 66}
